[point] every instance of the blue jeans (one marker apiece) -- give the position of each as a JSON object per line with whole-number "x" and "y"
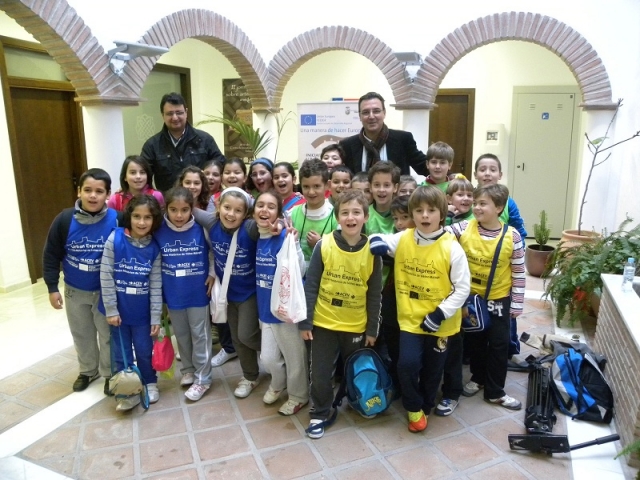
{"x": 138, "y": 336}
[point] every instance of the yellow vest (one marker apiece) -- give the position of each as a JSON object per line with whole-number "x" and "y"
{"x": 422, "y": 282}
{"x": 342, "y": 296}
{"x": 480, "y": 254}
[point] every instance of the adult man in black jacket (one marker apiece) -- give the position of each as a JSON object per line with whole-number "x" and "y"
{"x": 178, "y": 144}
{"x": 376, "y": 142}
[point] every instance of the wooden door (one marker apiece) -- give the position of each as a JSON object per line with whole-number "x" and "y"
{"x": 452, "y": 122}
{"x": 48, "y": 146}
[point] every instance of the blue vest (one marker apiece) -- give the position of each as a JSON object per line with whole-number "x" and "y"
{"x": 242, "y": 283}
{"x": 267, "y": 250}
{"x": 185, "y": 266}
{"x": 84, "y": 247}
{"x": 131, "y": 271}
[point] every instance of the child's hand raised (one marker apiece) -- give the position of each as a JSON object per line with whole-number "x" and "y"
{"x": 288, "y": 225}
{"x": 313, "y": 238}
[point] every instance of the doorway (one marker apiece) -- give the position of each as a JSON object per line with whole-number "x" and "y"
{"x": 452, "y": 122}
{"x": 544, "y": 140}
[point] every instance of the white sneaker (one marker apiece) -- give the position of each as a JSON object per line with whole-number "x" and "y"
{"x": 471, "y": 388}
{"x": 196, "y": 391}
{"x": 506, "y": 401}
{"x": 222, "y": 357}
{"x": 245, "y": 387}
{"x": 271, "y": 396}
{"x": 127, "y": 403}
{"x": 187, "y": 379}
{"x": 154, "y": 394}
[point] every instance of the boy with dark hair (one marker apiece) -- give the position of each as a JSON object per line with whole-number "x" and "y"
{"x": 339, "y": 181}
{"x": 76, "y": 240}
{"x": 384, "y": 178}
{"x": 479, "y": 238}
{"x": 314, "y": 218}
{"x": 342, "y": 290}
{"x": 439, "y": 163}
{"x": 360, "y": 181}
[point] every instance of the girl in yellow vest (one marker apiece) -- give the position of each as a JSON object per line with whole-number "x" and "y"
{"x": 479, "y": 239}
{"x": 432, "y": 284}
{"x": 342, "y": 289}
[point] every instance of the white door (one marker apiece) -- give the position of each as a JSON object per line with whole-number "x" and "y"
{"x": 543, "y": 126}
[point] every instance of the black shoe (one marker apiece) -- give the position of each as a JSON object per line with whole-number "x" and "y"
{"x": 83, "y": 381}
{"x": 106, "y": 387}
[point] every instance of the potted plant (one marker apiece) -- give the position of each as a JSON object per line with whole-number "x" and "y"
{"x": 573, "y": 273}
{"x": 537, "y": 255}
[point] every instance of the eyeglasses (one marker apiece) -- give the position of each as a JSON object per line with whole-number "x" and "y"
{"x": 375, "y": 113}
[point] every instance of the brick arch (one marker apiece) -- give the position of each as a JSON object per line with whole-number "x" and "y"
{"x": 324, "y": 39}
{"x": 59, "y": 29}
{"x": 214, "y": 30}
{"x": 569, "y": 45}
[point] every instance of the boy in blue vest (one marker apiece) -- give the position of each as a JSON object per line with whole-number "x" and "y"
{"x": 342, "y": 289}
{"x": 76, "y": 240}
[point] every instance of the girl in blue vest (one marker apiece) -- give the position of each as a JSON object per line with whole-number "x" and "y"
{"x": 186, "y": 286}
{"x": 242, "y": 308}
{"x": 283, "y": 353}
{"x": 130, "y": 277}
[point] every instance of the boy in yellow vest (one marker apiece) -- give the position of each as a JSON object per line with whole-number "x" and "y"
{"x": 479, "y": 238}
{"x": 432, "y": 284}
{"x": 342, "y": 290}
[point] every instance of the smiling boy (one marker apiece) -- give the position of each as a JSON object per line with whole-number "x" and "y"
{"x": 384, "y": 178}
{"x": 439, "y": 163}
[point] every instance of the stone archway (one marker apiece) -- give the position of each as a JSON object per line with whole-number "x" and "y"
{"x": 59, "y": 29}
{"x": 216, "y": 31}
{"x": 569, "y": 45}
{"x": 314, "y": 42}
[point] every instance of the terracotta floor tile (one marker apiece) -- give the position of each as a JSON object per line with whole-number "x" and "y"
{"x": 370, "y": 470}
{"x": 342, "y": 447}
{"x": 115, "y": 464}
{"x": 61, "y": 442}
{"x": 191, "y": 474}
{"x": 542, "y": 466}
{"x": 53, "y": 365}
{"x": 170, "y": 396}
{"x": 107, "y": 433}
{"x": 475, "y": 410}
{"x": 419, "y": 463}
{"x": 465, "y": 450}
{"x": 46, "y": 393}
{"x": 438, "y": 426}
{"x": 252, "y": 407}
{"x": 12, "y": 413}
{"x": 165, "y": 453}
{"x": 498, "y": 432}
{"x": 69, "y": 375}
{"x": 62, "y": 465}
{"x": 291, "y": 462}
{"x": 388, "y": 435}
{"x": 221, "y": 442}
{"x": 501, "y": 471}
{"x": 273, "y": 431}
{"x": 104, "y": 409}
{"x": 19, "y": 382}
{"x": 211, "y": 414}
{"x": 158, "y": 424}
{"x": 242, "y": 468}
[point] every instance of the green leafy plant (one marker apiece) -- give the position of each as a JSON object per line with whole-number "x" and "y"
{"x": 541, "y": 232}
{"x": 257, "y": 141}
{"x": 573, "y": 273}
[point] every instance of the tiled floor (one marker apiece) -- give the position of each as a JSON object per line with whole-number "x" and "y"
{"x": 48, "y": 432}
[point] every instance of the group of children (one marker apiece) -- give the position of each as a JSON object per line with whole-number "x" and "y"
{"x": 381, "y": 269}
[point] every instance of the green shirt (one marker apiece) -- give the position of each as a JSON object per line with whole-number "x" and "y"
{"x": 380, "y": 223}
{"x": 304, "y": 225}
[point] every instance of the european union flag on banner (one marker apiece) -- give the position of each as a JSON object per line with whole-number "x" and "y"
{"x": 307, "y": 119}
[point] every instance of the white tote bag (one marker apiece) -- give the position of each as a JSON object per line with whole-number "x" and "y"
{"x": 218, "y": 304}
{"x": 287, "y": 294}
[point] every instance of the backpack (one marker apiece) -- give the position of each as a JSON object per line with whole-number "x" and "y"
{"x": 367, "y": 384}
{"x": 579, "y": 386}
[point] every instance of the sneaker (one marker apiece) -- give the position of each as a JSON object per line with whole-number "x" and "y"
{"x": 222, "y": 357}
{"x": 471, "y": 388}
{"x": 83, "y": 381}
{"x": 446, "y": 407}
{"x": 417, "y": 421}
{"x": 196, "y": 391}
{"x": 506, "y": 402}
{"x": 315, "y": 429}
{"x": 107, "y": 390}
{"x": 245, "y": 387}
{"x": 187, "y": 379}
{"x": 154, "y": 394}
{"x": 127, "y": 403}
{"x": 291, "y": 407}
{"x": 271, "y": 396}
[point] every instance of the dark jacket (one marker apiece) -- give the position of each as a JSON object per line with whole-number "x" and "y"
{"x": 167, "y": 161}
{"x": 401, "y": 150}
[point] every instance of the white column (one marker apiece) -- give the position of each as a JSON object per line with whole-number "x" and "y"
{"x": 104, "y": 139}
{"x": 267, "y": 122}
{"x": 417, "y": 122}
{"x": 14, "y": 269}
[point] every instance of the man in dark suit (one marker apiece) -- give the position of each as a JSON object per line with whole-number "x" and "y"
{"x": 376, "y": 142}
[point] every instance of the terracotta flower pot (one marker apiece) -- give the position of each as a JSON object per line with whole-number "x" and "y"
{"x": 536, "y": 257}
{"x": 571, "y": 238}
